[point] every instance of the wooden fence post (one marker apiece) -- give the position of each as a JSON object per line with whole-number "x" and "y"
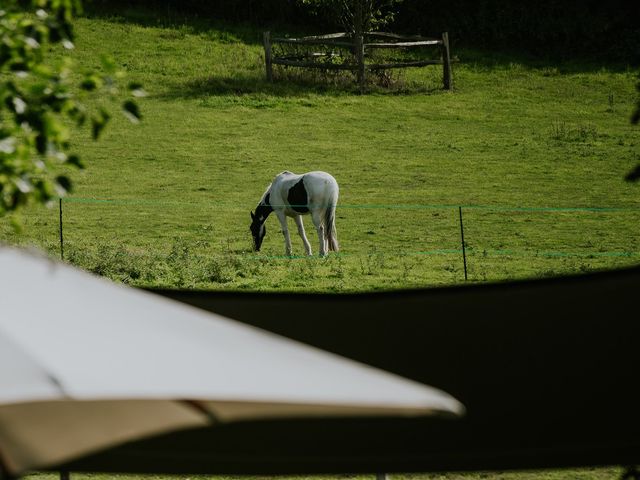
{"x": 447, "y": 78}
{"x": 359, "y": 42}
{"x": 266, "y": 39}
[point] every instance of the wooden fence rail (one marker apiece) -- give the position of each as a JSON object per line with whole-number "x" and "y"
{"x": 358, "y": 49}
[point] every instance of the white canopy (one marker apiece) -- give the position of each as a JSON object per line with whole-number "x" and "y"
{"x": 86, "y": 363}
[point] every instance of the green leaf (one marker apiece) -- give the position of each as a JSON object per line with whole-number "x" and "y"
{"x": 131, "y": 111}
{"x": 633, "y": 175}
{"x": 41, "y": 143}
{"x": 64, "y": 183}
{"x": 16, "y": 223}
{"x": 38, "y": 101}
{"x": 76, "y": 161}
{"x": 108, "y": 63}
{"x": 91, "y": 83}
{"x": 136, "y": 89}
{"x": 97, "y": 125}
{"x": 78, "y": 114}
{"x": 7, "y": 145}
{"x": 98, "y": 122}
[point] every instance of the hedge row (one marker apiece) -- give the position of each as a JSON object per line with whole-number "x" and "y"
{"x": 592, "y": 28}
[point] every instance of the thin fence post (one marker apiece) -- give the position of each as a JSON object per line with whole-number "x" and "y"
{"x": 464, "y": 253}
{"x": 447, "y": 77}
{"x": 382, "y": 476}
{"x": 358, "y": 41}
{"x": 267, "y": 55}
{"x": 61, "y": 234}
{"x": 65, "y": 475}
{"x": 360, "y": 61}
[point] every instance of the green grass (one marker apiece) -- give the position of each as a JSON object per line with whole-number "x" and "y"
{"x": 520, "y": 144}
{"x": 603, "y": 473}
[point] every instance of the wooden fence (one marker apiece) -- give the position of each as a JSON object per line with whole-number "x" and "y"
{"x": 359, "y": 46}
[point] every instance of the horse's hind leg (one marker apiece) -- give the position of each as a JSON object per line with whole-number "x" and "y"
{"x": 301, "y": 232}
{"x": 320, "y": 228}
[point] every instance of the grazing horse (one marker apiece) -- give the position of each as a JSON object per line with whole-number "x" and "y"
{"x": 291, "y": 195}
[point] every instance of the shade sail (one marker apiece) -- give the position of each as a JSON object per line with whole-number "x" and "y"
{"x": 86, "y": 364}
{"x": 547, "y": 368}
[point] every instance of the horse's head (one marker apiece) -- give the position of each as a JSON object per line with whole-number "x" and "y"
{"x": 258, "y": 230}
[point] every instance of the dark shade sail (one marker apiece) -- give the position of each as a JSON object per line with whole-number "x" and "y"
{"x": 548, "y": 370}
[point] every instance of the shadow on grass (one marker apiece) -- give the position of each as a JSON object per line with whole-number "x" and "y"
{"x": 289, "y": 86}
{"x": 487, "y": 59}
{"x": 289, "y": 82}
{"x": 179, "y": 22}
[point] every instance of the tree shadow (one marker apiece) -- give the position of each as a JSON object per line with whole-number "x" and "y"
{"x": 557, "y": 63}
{"x": 168, "y": 15}
{"x": 294, "y": 86}
{"x": 487, "y": 58}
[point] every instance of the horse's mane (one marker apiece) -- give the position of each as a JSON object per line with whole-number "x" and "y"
{"x": 269, "y": 187}
{"x": 265, "y": 193}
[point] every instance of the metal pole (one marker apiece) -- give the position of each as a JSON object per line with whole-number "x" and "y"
{"x": 464, "y": 253}
{"x": 61, "y": 236}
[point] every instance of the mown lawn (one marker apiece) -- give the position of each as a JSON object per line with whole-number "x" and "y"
{"x": 609, "y": 473}
{"x": 535, "y": 152}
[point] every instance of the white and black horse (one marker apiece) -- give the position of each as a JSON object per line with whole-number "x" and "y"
{"x": 291, "y": 195}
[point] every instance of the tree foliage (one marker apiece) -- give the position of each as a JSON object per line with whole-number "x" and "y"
{"x": 635, "y": 118}
{"x": 40, "y": 101}
{"x": 356, "y": 15}
{"x": 634, "y": 175}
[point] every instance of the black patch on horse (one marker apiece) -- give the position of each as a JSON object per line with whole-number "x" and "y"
{"x": 264, "y": 209}
{"x": 297, "y": 197}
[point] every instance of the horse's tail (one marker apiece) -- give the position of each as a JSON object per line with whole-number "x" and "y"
{"x": 330, "y": 226}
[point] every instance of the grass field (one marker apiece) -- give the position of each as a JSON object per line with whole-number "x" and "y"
{"x": 578, "y": 474}
{"x": 535, "y": 152}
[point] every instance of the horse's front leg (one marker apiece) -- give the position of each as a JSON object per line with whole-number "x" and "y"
{"x": 285, "y": 231}
{"x": 303, "y": 235}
